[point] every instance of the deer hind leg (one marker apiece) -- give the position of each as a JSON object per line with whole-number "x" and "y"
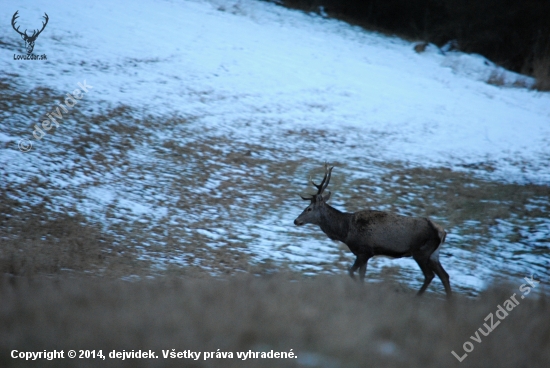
{"x": 426, "y": 270}
{"x": 440, "y": 272}
{"x": 363, "y": 270}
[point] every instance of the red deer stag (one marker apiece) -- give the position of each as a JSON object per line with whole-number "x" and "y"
{"x": 371, "y": 233}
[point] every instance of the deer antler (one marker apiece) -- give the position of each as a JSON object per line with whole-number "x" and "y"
{"x": 35, "y": 33}
{"x": 324, "y": 184}
{"x": 43, "y": 25}
{"x": 13, "y": 19}
{"x": 321, "y": 187}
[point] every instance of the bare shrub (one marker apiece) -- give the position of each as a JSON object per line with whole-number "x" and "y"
{"x": 520, "y": 83}
{"x": 420, "y": 47}
{"x": 496, "y": 78}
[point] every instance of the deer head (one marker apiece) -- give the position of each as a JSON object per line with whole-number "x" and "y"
{"x": 312, "y": 213}
{"x": 29, "y": 40}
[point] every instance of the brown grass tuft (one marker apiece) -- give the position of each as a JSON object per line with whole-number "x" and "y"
{"x": 420, "y": 47}
{"x": 496, "y": 78}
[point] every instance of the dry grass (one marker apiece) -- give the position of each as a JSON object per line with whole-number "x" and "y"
{"x": 420, "y": 47}
{"x": 36, "y": 241}
{"x": 497, "y": 79}
{"x": 327, "y": 321}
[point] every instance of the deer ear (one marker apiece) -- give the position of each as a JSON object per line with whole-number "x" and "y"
{"x": 326, "y": 197}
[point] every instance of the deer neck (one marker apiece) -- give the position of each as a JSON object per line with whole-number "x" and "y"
{"x": 334, "y": 223}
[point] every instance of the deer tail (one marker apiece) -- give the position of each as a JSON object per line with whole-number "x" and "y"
{"x": 440, "y": 231}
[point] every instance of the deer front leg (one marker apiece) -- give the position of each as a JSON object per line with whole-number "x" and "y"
{"x": 354, "y": 267}
{"x": 363, "y": 270}
{"x": 361, "y": 264}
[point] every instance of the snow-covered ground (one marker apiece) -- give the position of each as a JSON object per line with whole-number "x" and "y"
{"x": 251, "y": 72}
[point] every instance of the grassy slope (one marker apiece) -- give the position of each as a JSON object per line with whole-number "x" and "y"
{"x": 327, "y": 321}
{"x": 43, "y": 231}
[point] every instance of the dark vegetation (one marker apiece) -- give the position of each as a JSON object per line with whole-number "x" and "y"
{"x": 326, "y": 321}
{"x": 513, "y": 34}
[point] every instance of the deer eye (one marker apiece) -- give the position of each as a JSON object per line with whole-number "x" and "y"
{"x": 309, "y": 209}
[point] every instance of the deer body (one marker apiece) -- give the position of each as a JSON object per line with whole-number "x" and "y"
{"x": 371, "y": 233}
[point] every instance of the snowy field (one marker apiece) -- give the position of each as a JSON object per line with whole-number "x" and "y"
{"x": 205, "y": 119}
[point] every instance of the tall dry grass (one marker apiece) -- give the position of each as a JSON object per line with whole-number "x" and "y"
{"x": 326, "y": 321}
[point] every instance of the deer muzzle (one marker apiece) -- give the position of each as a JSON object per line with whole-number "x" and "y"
{"x": 298, "y": 223}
